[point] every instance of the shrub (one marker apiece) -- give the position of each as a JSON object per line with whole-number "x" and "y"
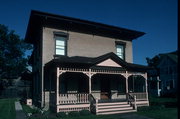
{"x": 74, "y": 114}
{"x": 85, "y": 112}
{"x": 61, "y": 115}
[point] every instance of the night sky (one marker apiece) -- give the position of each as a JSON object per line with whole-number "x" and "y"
{"x": 157, "y": 18}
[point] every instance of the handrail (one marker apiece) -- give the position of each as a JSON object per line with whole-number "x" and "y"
{"x": 132, "y": 100}
{"x": 93, "y": 103}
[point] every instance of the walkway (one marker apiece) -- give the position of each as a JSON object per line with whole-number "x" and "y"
{"x": 19, "y": 111}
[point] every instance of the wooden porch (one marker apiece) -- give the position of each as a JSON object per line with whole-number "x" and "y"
{"x": 67, "y": 102}
{"x": 108, "y": 89}
{"x": 85, "y": 101}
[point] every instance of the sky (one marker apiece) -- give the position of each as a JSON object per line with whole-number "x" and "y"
{"x": 157, "y": 18}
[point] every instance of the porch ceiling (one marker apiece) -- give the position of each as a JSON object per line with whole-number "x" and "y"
{"x": 89, "y": 62}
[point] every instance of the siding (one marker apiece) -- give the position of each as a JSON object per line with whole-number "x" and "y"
{"x": 80, "y": 44}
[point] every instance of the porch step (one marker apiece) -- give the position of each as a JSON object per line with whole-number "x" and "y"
{"x": 142, "y": 103}
{"x": 113, "y": 103}
{"x": 113, "y": 108}
{"x": 116, "y": 112}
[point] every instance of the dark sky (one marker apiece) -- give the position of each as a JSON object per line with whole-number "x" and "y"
{"x": 157, "y": 18}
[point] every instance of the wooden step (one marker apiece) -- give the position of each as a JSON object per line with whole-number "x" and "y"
{"x": 113, "y": 106}
{"x": 116, "y": 112}
{"x": 115, "y": 109}
{"x": 113, "y": 103}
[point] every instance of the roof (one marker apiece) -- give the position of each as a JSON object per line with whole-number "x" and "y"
{"x": 39, "y": 19}
{"x": 172, "y": 55}
{"x": 89, "y": 62}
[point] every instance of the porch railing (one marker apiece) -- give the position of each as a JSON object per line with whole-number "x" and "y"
{"x": 140, "y": 96}
{"x": 73, "y": 98}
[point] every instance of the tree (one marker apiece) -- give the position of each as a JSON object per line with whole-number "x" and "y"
{"x": 12, "y": 53}
{"x": 154, "y": 61}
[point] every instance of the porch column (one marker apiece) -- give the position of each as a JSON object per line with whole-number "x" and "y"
{"x": 126, "y": 82}
{"x": 146, "y": 85}
{"x": 90, "y": 75}
{"x": 57, "y": 87}
{"x": 158, "y": 86}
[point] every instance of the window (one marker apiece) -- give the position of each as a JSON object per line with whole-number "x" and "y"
{"x": 61, "y": 45}
{"x": 120, "y": 51}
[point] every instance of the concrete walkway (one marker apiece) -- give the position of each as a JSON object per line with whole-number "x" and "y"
{"x": 133, "y": 116}
{"x": 19, "y": 111}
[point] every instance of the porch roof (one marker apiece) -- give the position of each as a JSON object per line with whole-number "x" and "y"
{"x": 89, "y": 62}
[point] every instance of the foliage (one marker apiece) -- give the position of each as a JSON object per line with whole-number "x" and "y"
{"x": 12, "y": 53}
{"x": 154, "y": 61}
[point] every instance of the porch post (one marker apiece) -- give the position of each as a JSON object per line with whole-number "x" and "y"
{"x": 126, "y": 82}
{"x": 146, "y": 86}
{"x": 158, "y": 86}
{"x": 126, "y": 85}
{"x": 90, "y": 81}
{"x": 57, "y": 86}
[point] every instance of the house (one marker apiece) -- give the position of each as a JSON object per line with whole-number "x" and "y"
{"x": 79, "y": 64}
{"x": 154, "y": 82}
{"x": 18, "y": 87}
{"x": 163, "y": 79}
{"x": 168, "y": 73}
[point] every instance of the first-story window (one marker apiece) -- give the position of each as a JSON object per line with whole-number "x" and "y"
{"x": 61, "y": 45}
{"x": 120, "y": 51}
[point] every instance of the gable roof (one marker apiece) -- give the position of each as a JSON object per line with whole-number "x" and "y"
{"x": 172, "y": 56}
{"x": 90, "y": 62}
{"x": 39, "y": 19}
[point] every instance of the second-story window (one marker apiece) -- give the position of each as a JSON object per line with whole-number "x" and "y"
{"x": 61, "y": 45}
{"x": 120, "y": 49}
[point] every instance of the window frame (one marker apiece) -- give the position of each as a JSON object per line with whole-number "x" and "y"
{"x": 123, "y": 44}
{"x": 61, "y": 34}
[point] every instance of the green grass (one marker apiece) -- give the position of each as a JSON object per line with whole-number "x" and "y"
{"x": 166, "y": 113}
{"x": 158, "y": 108}
{"x": 87, "y": 117}
{"x": 7, "y": 109}
{"x": 162, "y": 100}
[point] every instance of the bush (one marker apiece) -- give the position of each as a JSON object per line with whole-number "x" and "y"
{"x": 74, "y": 114}
{"x": 85, "y": 112}
{"x": 61, "y": 115}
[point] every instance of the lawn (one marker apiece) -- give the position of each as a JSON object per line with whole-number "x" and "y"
{"x": 7, "y": 109}
{"x": 166, "y": 113}
{"x": 86, "y": 117}
{"x": 160, "y": 108}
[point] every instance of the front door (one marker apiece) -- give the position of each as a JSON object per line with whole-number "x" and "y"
{"x": 105, "y": 89}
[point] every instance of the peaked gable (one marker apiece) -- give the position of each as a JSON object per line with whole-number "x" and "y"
{"x": 109, "y": 63}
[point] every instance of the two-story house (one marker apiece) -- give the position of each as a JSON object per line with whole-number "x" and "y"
{"x": 168, "y": 73}
{"x": 79, "y": 64}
